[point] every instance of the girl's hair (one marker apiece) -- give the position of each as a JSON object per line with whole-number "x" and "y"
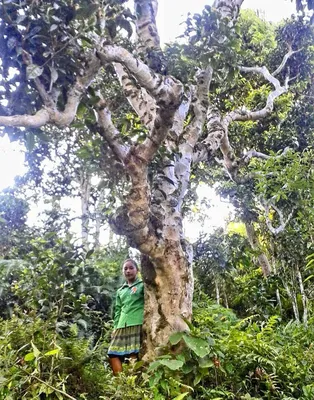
{"x": 132, "y": 261}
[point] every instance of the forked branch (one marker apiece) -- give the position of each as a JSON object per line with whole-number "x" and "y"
{"x": 49, "y": 113}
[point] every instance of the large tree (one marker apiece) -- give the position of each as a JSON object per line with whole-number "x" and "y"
{"x": 59, "y": 59}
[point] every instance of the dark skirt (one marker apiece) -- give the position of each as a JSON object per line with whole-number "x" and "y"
{"x": 126, "y": 341}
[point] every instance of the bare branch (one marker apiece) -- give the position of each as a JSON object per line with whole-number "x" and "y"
{"x": 246, "y": 115}
{"x": 284, "y": 60}
{"x": 146, "y": 28}
{"x": 162, "y": 125}
{"x": 109, "y": 132}
{"x": 199, "y": 106}
{"x": 48, "y": 100}
{"x": 37, "y": 120}
{"x": 283, "y": 223}
{"x": 255, "y": 154}
{"x": 165, "y": 89}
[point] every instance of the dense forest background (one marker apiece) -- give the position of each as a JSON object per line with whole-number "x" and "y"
{"x": 252, "y": 331}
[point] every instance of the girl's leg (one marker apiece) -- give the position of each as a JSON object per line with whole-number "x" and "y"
{"x": 115, "y": 364}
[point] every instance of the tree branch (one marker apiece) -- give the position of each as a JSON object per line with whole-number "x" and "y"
{"x": 37, "y": 120}
{"x": 146, "y": 28}
{"x": 228, "y": 9}
{"x": 191, "y": 134}
{"x": 283, "y": 223}
{"x": 143, "y": 104}
{"x": 165, "y": 89}
{"x": 109, "y": 132}
{"x": 246, "y": 115}
{"x": 76, "y": 92}
{"x": 50, "y": 114}
{"x": 255, "y": 154}
{"x": 285, "y": 59}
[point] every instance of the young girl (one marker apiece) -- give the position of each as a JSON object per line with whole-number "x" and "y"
{"x": 128, "y": 318}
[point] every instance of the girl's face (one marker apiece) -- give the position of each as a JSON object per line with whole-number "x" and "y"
{"x": 129, "y": 271}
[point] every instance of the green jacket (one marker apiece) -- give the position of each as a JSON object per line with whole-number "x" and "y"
{"x": 129, "y": 309}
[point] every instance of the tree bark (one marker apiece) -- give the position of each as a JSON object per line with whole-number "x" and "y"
{"x": 98, "y": 213}
{"x": 303, "y": 295}
{"x": 85, "y": 187}
{"x": 292, "y": 296}
{"x": 217, "y": 292}
{"x": 168, "y": 298}
{"x": 254, "y": 242}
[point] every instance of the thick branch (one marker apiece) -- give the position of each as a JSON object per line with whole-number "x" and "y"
{"x": 143, "y": 104}
{"x": 37, "y": 120}
{"x": 164, "y": 88}
{"x": 109, "y": 132}
{"x": 199, "y": 106}
{"x": 162, "y": 125}
{"x": 146, "y": 28}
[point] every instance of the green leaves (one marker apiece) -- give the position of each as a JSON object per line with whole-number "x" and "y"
{"x": 197, "y": 345}
{"x": 174, "y": 365}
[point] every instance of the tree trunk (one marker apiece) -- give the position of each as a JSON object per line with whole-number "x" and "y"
{"x": 303, "y": 295}
{"x": 294, "y": 302}
{"x": 217, "y": 292}
{"x": 85, "y": 186}
{"x": 254, "y": 242}
{"x": 98, "y": 214}
{"x": 225, "y": 296}
{"x": 168, "y": 298}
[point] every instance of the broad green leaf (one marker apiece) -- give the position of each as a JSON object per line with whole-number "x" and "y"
{"x": 29, "y": 357}
{"x": 52, "y": 352}
{"x": 181, "y": 396}
{"x": 205, "y": 362}
{"x": 89, "y": 253}
{"x": 172, "y": 364}
{"x": 197, "y": 345}
{"x": 153, "y": 366}
{"x": 175, "y": 338}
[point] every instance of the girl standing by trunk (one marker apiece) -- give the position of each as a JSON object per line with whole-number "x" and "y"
{"x": 128, "y": 318}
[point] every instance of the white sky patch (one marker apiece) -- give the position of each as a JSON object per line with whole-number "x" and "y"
{"x": 209, "y": 213}
{"x": 173, "y": 13}
{"x": 11, "y": 162}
